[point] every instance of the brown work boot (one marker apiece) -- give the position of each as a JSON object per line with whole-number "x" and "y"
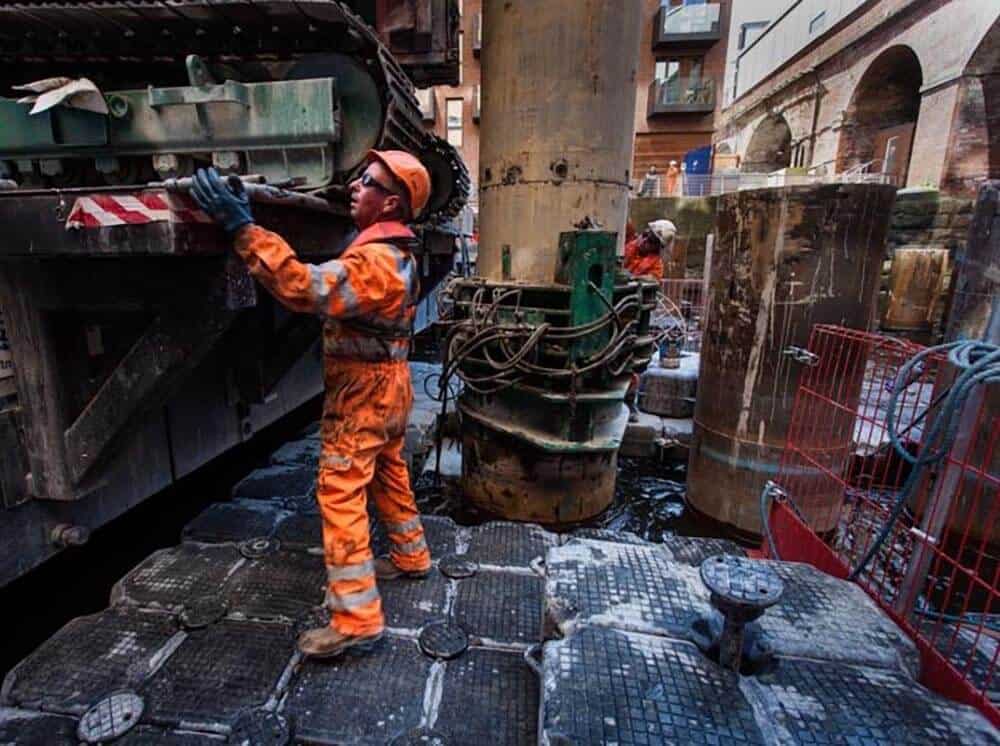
{"x": 385, "y": 569}
{"x": 326, "y": 642}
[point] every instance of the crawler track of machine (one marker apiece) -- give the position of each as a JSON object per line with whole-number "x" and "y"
{"x": 137, "y": 44}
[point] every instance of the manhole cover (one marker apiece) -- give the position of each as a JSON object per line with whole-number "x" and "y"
{"x": 419, "y": 737}
{"x": 457, "y": 567}
{"x": 741, "y": 581}
{"x": 110, "y": 717}
{"x": 443, "y": 640}
{"x": 260, "y": 546}
{"x": 201, "y": 612}
{"x": 260, "y": 728}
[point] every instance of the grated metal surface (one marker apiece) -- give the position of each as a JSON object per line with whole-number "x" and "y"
{"x": 146, "y": 735}
{"x": 171, "y": 577}
{"x": 235, "y": 521}
{"x": 24, "y": 728}
{"x": 610, "y": 686}
{"x": 501, "y": 606}
{"x": 627, "y": 586}
{"x": 509, "y": 544}
{"x": 217, "y": 672}
{"x": 693, "y": 551}
{"x": 819, "y": 616}
{"x": 410, "y": 602}
{"x": 440, "y": 534}
{"x": 606, "y": 534}
{"x": 639, "y": 588}
{"x": 499, "y": 690}
{"x": 279, "y": 480}
{"x": 87, "y": 658}
{"x": 280, "y": 586}
{"x": 360, "y": 698}
{"x": 301, "y": 531}
{"x": 821, "y": 702}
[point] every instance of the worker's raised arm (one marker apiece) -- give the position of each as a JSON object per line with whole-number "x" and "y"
{"x": 342, "y": 288}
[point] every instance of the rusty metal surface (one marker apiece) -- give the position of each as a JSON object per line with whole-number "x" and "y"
{"x": 504, "y": 476}
{"x": 976, "y": 300}
{"x": 558, "y": 150}
{"x": 786, "y": 259}
{"x": 916, "y": 289}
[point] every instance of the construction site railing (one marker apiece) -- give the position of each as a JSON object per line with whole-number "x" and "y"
{"x": 919, "y": 533}
{"x": 688, "y": 295}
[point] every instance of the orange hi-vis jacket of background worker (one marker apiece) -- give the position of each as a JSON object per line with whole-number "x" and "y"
{"x": 642, "y": 265}
{"x": 368, "y": 298}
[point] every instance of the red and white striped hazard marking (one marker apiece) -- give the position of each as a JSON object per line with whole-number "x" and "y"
{"x": 102, "y": 210}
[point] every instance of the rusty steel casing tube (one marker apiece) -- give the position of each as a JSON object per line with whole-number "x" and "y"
{"x": 558, "y": 102}
{"x": 785, "y": 259}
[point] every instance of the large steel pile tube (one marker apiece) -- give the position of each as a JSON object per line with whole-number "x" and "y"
{"x": 785, "y": 259}
{"x": 558, "y": 96}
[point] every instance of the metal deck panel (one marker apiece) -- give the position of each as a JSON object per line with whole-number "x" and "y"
{"x": 235, "y": 521}
{"x": 641, "y": 589}
{"x": 489, "y": 697}
{"x": 173, "y": 577}
{"x": 611, "y": 686}
{"x": 503, "y": 607}
{"x": 360, "y": 698}
{"x": 89, "y": 657}
{"x": 218, "y": 671}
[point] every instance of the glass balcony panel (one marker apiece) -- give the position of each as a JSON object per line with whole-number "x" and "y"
{"x": 679, "y": 94}
{"x": 691, "y": 19}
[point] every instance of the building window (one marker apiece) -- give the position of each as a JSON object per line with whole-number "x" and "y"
{"x": 461, "y": 56}
{"x": 750, "y": 31}
{"x": 817, "y": 23}
{"x": 453, "y": 121}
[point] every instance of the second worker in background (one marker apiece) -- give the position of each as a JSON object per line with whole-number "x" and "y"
{"x": 367, "y": 298}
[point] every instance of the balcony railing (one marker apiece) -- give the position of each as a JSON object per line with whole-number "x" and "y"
{"x": 687, "y": 24}
{"x": 681, "y": 95}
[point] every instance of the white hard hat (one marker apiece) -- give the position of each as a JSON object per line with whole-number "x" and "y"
{"x": 664, "y": 230}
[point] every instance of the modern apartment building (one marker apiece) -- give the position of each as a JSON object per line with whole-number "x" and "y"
{"x": 680, "y": 76}
{"x": 906, "y": 88}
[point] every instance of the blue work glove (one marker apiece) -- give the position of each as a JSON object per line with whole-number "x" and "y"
{"x": 226, "y": 204}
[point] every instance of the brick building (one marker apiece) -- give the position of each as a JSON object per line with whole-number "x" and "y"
{"x": 453, "y": 111}
{"x": 680, "y": 76}
{"x": 909, "y": 88}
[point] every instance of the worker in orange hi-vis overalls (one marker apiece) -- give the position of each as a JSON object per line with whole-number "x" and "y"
{"x": 367, "y": 297}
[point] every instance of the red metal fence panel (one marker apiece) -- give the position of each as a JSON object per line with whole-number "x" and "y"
{"x": 937, "y": 570}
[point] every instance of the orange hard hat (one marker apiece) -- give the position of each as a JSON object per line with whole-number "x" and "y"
{"x": 410, "y": 172}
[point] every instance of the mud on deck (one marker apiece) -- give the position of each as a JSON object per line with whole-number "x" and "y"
{"x": 518, "y": 636}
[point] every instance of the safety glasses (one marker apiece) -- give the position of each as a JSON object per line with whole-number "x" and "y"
{"x": 369, "y": 181}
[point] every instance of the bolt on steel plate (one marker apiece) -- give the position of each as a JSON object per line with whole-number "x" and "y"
{"x": 443, "y": 640}
{"x": 110, "y": 717}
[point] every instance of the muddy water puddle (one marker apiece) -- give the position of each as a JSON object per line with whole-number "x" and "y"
{"x": 649, "y": 502}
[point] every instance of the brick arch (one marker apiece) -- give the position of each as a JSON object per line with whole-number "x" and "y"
{"x": 770, "y": 146}
{"x": 885, "y": 105}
